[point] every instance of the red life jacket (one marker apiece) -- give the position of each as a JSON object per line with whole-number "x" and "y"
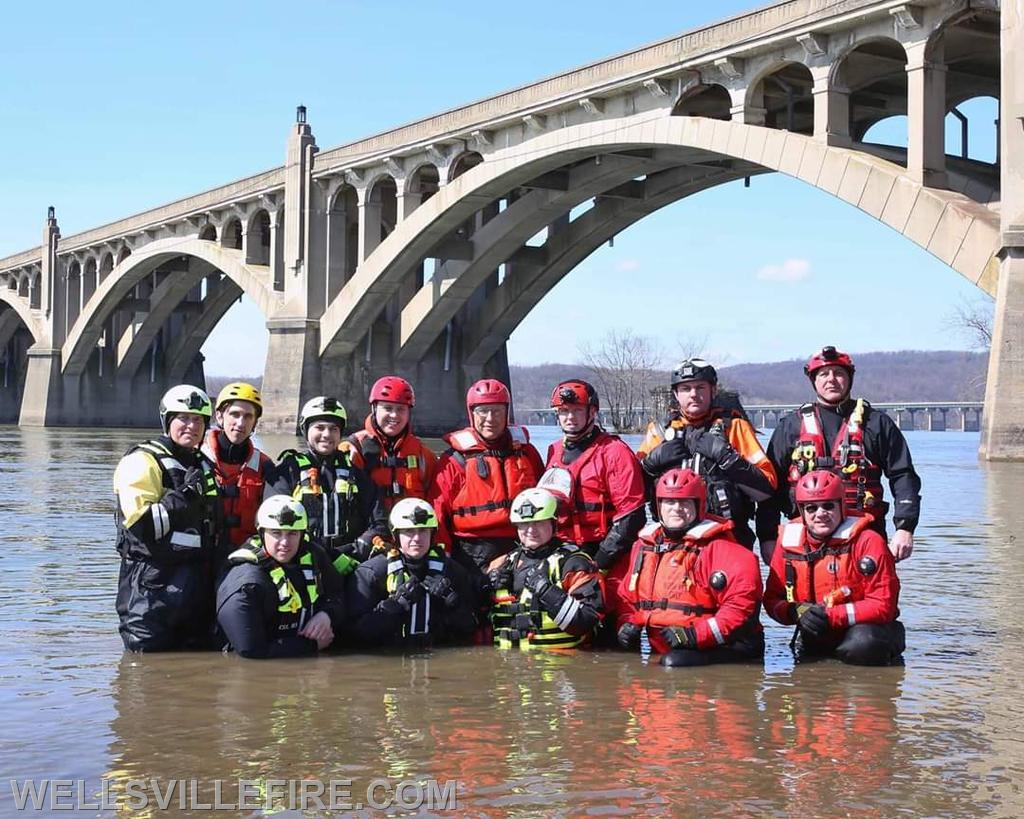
{"x": 239, "y": 489}
{"x": 399, "y": 471}
{"x": 493, "y": 479}
{"x": 588, "y": 511}
{"x": 862, "y": 479}
{"x": 813, "y": 574}
{"x": 662, "y": 578}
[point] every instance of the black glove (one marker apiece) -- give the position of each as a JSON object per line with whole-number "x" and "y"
{"x": 813, "y": 620}
{"x": 684, "y": 637}
{"x": 500, "y": 578}
{"x": 439, "y": 586}
{"x": 536, "y": 579}
{"x": 629, "y": 635}
{"x": 193, "y": 483}
{"x": 604, "y": 559}
{"x": 715, "y": 448}
{"x": 549, "y": 596}
{"x": 410, "y": 592}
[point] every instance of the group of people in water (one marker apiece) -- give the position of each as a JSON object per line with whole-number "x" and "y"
{"x": 371, "y": 540}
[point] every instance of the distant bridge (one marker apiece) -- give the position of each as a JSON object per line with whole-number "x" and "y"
{"x": 966, "y": 415}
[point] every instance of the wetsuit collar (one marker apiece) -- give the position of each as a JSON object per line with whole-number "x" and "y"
{"x": 842, "y": 408}
{"x": 231, "y": 453}
{"x": 544, "y": 551}
{"x": 177, "y": 450}
{"x": 581, "y": 439}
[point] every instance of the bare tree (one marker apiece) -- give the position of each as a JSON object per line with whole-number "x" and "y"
{"x": 624, "y": 366}
{"x": 973, "y": 321}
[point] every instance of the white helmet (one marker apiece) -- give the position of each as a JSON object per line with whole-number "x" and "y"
{"x": 184, "y": 398}
{"x": 412, "y": 513}
{"x": 281, "y": 512}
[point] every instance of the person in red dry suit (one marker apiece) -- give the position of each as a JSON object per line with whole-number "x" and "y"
{"x": 691, "y": 587}
{"x": 835, "y": 579}
{"x": 487, "y": 464}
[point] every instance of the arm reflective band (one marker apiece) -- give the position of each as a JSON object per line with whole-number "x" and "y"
{"x": 851, "y": 615}
{"x": 186, "y": 540}
{"x": 568, "y": 611}
{"x": 716, "y": 631}
{"x": 161, "y": 520}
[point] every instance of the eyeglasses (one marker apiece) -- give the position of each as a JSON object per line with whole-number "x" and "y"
{"x": 189, "y": 419}
{"x": 491, "y": 411}
{"x": 825, "y": 506}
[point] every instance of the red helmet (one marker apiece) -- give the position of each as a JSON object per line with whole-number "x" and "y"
{"x": 487, "y": 391}
{"x": 570, "y": 393}
{"x": 819, "y": 485}
{"x": 828, "y": 357}
{"x": 683, "y": 483}
{"x": 394, "y": 389}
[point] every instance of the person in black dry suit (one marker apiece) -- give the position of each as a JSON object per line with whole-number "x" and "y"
{"x": 281, "y": 596}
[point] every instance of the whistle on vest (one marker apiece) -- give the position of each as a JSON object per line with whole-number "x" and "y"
{"x": 837, "y": 597}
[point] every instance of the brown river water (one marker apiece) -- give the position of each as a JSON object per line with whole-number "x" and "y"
{"x": 479, "y": 732}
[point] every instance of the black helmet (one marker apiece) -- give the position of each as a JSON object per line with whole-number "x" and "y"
{"x": 694, "y": 369}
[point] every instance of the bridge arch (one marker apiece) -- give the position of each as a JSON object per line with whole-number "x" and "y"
{"x": 870, "y": 66}
{"x": 709, "y": 100}
{"x": 20, "y": 306}
{"x": 951, "y": 226}
{"x": 85, "y": 333}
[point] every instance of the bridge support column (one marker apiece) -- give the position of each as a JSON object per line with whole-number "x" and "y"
{"x": 926, "y": 117}
{"x": 292, "y": 372}
{"x": 1002, "y": 437}
{"x": 831, "y": 108}
{"x": 41, "y": 399}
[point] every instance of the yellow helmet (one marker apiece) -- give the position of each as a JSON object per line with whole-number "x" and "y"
{"x": 240, "y": 391}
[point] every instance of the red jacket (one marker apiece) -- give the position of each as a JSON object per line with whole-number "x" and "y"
{"x": 855, "y": 558}
{"x": 474, "y": 485}
{"x": 602, "y": 484}
{"x": 706, "y": 581}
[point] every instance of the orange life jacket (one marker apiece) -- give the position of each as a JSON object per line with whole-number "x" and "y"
{"x": 239, "y": 489}
{"x": 662, "y": 575}
{"x": 813, "y": 572}
{"x": 493, "y": 479}
{"x": 399, "y": 471}
{"x": 862, "y": 479}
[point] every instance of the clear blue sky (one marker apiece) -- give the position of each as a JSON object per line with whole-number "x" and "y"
{"x": 111, "y": 109}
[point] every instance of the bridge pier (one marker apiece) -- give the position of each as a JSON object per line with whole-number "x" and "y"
{"x": 1003, "y": 435}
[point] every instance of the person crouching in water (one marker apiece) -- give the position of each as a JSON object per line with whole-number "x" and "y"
{"x": 547, "y": 594}
{"x": 281, "y": 597}
{"x": 835, "y": 579}
{"x": 692, "y": 587}
{"x": 415, "y": 595}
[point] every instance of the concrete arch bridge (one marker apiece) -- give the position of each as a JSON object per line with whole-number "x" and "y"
{"x": 419, "y": 250}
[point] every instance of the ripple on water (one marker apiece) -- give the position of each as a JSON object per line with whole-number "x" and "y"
{"x": 595, "y": 733}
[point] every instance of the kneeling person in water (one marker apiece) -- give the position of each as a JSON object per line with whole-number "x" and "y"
{"x": 547, "y": 594}
{"x": 835, "y": 579}
{"x": 415, "y": 595}
{"x": 693, "y": 589}
{"x": 281, "y": 597}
